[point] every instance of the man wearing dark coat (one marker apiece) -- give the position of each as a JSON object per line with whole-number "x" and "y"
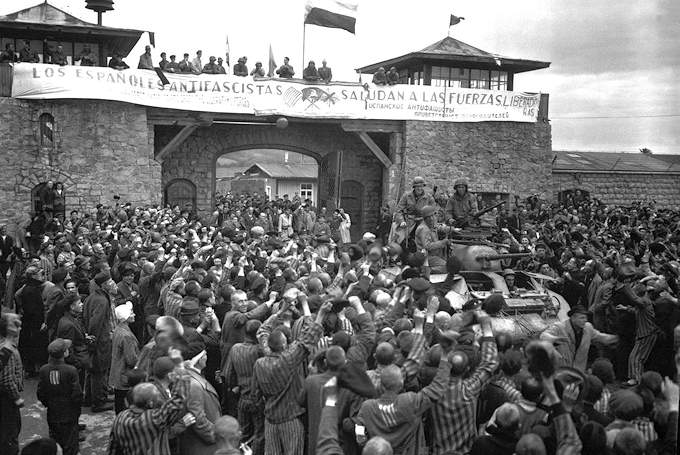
{"x": 98, "y": 320}
{"x": 59, "y": 391}
{"x": 33, "y": 338}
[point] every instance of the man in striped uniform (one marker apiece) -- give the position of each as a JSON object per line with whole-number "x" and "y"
{"x": 395, "y": 416}
{"x": 239, "y": 373}
{"x": 454, "y": 415}
{"x": 277, "y": 378}
{"x": 11, "y": 384}
{"x": 60, "y": 392}
{"x": 646, "y": 330}
{"x": 143, "y": 428}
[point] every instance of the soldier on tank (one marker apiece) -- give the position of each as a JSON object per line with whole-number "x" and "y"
{"x": 427, "y": 241}
{"x": 462, "y": 205}
{"x": 408, "y": 208}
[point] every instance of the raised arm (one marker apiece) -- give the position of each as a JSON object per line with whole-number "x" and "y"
{"x": 489, "y": 358}
{"x": 365, "y": 336}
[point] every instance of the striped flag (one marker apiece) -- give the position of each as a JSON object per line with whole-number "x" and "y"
{"x": 332, "y": 13}
{"x": 272, "y": 63}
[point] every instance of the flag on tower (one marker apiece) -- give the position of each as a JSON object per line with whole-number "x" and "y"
{"x": 455, "y": 20}
{"x": 332, "y": 13}
{"x": 272, "y": 63}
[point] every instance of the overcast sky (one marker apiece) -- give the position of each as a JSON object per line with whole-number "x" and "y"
{"x": 616, "y": 59}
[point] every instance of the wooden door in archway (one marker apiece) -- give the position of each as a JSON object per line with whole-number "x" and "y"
{"x": 352, "y": 200}
{"x": 181, "y": 192}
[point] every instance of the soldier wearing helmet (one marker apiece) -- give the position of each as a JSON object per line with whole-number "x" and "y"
{"x": 427, "y": 241}
{"x": 409, "y": 207}
{"x": 461, "y": 205}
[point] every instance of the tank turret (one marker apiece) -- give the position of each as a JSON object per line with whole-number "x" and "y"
{"x": 482, "y": 257}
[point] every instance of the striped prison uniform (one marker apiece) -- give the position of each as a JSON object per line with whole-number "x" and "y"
{"x": 508, "y": 387}
{"x": 398, "y": 417}
{"x": 239, "y": 372}
{"x": 568, "y": 442}
{"x": 277, "y": 378}
{"x": 11, "y": 386}
{"x": 454, "y": 416}
{"x": 138, "y": 431}
{"x": 646, "y": 333}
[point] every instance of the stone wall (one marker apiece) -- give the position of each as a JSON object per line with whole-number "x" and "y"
{"x": 195, "y": 159}
{"x": 622, "y": 189}
{"x": 501, "y": 157}
{"x": 99, "y": 149}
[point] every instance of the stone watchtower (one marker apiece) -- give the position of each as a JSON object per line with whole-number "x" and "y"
{"x": 497, "y": 158}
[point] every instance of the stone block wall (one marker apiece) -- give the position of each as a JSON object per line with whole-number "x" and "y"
{"x": 99, "y": 149}
{"x": 501, "y": 157}
{"x": 622, "y": 189}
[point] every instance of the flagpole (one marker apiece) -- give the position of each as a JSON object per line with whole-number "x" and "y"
{"x": 304, "y": 29}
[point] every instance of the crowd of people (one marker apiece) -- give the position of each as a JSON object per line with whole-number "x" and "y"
{"x": 264, "y": 328}
{"x": 187, "y": 65}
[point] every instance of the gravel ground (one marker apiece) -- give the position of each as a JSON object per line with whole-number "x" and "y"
{"x": 34, "y": 423}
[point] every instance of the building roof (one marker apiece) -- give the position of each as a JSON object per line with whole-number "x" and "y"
{"x": 43, "y": 20}
{"x": 285, "y": 171}
{"x": 449, "y": 51}
{"x": 569, "y": 161}
{"x": 670, "y": 159}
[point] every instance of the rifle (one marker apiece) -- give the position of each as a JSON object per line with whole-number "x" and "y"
{"x": 476, "y": 215}
{"x": 486, "y": 210}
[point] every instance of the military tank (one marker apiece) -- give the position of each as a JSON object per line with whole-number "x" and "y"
{"x": 528, "y": 308}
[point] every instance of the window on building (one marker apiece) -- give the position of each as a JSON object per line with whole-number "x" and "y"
{"x": 460, "y": 78}
{"x": 499, "y": 80}
{"x": 268, "y": 190}
{"x": 440, "y": 76}
{"x": 46, "y": 129}
{"x": 417, "y": 78}
{"x": 307, "y": 191}
{"x": 479, "y": 79}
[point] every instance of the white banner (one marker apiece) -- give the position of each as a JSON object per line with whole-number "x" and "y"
{"x": 273, "y": 96}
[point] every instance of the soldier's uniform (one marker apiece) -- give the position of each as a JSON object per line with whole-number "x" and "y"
{"x": 460, "y": 208}
{"x": 408, "y": 209}
{"x": 427, "y": 241}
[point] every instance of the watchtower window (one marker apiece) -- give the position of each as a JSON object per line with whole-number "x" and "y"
{"x": 46, "y": 129}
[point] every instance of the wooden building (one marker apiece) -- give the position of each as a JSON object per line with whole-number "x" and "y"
{"x": 453, "y": 63}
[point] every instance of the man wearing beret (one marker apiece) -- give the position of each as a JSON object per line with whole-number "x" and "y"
{"x": 98, "y": 320}
{"x": 60, "y": 392}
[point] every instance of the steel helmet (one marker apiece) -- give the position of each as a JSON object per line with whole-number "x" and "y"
{"x": 428, "y": 210}
{"x": 418, "y": 181}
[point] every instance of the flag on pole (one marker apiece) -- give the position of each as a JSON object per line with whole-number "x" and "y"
{"x": 455, "y": 20}
{"x": 332, "y": 13}
{"x": 227, "y": 60}
{"x": 152, "y": 39}
{"x": 272, "y": 63}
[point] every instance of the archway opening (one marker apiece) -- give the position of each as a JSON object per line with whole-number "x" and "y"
{"x": 49, "y": 198}
{"x": 274, "y": 173}
{"x": 181, "y": 193}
